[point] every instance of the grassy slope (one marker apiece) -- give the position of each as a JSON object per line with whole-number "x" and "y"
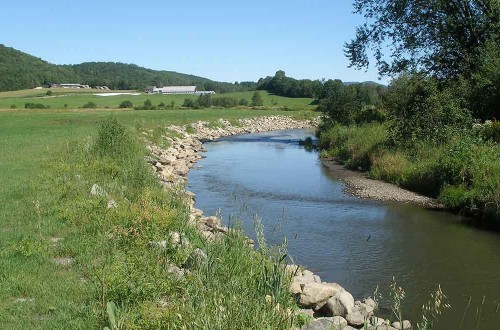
{"x": 77, "y": 98}
{"x": 38, "y": 156}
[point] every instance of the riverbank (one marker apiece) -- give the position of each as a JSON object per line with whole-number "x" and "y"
{"x": 328, "y": 303}
{"x": 461, "y": 174}
{"x": 358, "y": 184}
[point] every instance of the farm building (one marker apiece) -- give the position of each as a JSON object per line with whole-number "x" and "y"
{"x": 73, "y": 86}
{"x": 176, "y": 90}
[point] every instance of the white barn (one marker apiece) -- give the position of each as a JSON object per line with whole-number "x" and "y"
{"x": 176, "y": 90}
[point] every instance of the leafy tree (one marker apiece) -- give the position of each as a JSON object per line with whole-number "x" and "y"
{"x": 440, "y": 37}
{"x": 343, "y": 106}
{"x": 485, "y": 84}
{"x": 282, "y": 85}
{"x": 420, "y": 111}
{"x": 243, "y": 102}
{"x": 148, "y": 104}
{"x": 257, "y": 100}
{"x": 49, "y": 93}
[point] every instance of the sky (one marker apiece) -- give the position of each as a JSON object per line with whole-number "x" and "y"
{"x": 218, "y": 39}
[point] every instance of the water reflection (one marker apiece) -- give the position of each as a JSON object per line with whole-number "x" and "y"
{"x": 358, "y": 243}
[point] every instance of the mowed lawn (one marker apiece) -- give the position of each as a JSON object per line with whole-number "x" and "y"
{"x": 35, "y": 292}
{"x": 74, "y": 99}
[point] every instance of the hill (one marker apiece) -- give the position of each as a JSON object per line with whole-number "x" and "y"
{"x": 19, "y": 70}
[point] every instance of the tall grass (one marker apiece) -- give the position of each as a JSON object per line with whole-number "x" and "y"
{"x": 463, "y": 173}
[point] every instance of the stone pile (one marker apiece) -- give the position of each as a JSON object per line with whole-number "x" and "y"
{"x": 334, "y": 305}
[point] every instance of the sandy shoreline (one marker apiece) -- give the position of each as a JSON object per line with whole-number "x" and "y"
{"x": 358, "y": 184}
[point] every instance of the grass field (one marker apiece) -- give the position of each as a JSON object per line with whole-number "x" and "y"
{"x": 75, "y": 98}
{"x": 47, "y": 166}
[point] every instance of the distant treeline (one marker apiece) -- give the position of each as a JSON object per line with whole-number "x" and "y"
{"x": 19, "y": 70}
{"x": 282, "y": 85}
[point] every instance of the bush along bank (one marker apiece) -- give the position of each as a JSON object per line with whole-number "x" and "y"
{"x": 316, "y": 304}
{"x": 463, "y": 172}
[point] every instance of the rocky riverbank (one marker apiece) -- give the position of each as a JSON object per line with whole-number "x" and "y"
{"x": 358, "y": 184}
{"x": 331, "y": 306}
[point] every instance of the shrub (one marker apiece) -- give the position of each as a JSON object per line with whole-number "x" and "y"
{"x": 126, "y": 104}
{"x": 114, "y": 140}
{"x": 89, "y": 105}
{"x": 205, "y": 101}
{"x": 225, "y": 102}
{"x": 353, "y": 146}
{"x": 491, "y": 131}
{"x": 188, "y": 103}
{"x": 243, "y": 102}
{"x": 161, "y": 105}
{"x": 13, "y": 106}
{"x": 35, "y": 106}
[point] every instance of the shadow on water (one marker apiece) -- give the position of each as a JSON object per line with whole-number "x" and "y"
{"x": 360, "y": 244}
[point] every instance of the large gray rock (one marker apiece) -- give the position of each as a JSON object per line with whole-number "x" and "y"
{"x": 355, "y": 319}
{"x": 326, "y": 323}
{"x": 196, "y": 259}
{"x": 97, "y": 190}
{"x": 315, "y": 294}
{"x": 341, "y": 304}
{"x": 364, "y": 309}
{"x": 301, "y": 278}
{"x": 370, "y": 302}
{"x": 406, "y": 325}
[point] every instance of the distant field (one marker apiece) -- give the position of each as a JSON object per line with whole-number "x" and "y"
{"x": 75, "y": 98}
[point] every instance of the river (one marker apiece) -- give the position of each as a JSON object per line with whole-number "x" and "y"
{"x": 358, "y": 243}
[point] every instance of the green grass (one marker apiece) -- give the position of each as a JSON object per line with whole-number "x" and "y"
{"x": 74, "y": 99}
{"x": 50, "y": 160}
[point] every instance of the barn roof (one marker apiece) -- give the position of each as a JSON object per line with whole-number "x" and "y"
{"x": 177, "y": 89}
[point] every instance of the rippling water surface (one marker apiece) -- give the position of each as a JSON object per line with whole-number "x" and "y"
{"x": 360, "y": 244}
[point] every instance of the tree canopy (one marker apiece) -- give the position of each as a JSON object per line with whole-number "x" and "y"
{"x": 440, "y": 37}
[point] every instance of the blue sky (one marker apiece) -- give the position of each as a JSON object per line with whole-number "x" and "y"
{"x": 219, "y": 39}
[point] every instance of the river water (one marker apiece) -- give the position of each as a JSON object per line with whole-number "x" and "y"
{"x": 358, "y": 243}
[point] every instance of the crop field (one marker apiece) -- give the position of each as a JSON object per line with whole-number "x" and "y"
{"x": 62, "y": 98}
